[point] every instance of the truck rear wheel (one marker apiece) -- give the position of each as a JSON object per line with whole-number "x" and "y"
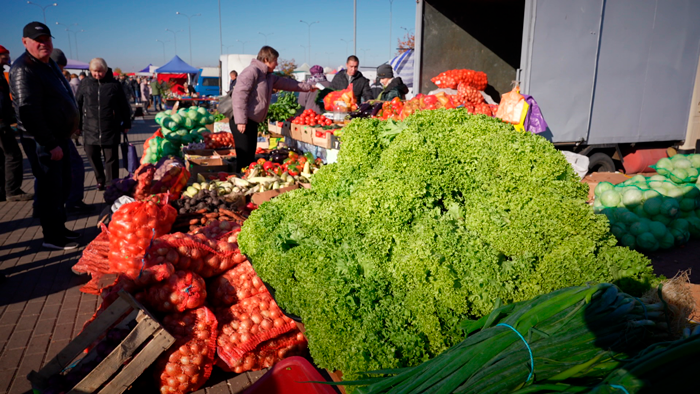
{"x": 600, "y": 162}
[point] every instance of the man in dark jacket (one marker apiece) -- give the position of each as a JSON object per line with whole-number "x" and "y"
{"x": 104, "y": 116}
{"x": 10, "y": 154}
{"x": 134, "y": 89}
{"x": 47, "y": 115}
{"x": 351, "y": 75}
{"x": 233, "y": 74}
{"x": 393, "y": 87}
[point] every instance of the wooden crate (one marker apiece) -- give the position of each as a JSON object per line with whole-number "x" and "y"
{"x": 141, "y": 348}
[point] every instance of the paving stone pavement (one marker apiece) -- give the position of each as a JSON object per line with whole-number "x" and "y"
{"x": 41, "y": 307}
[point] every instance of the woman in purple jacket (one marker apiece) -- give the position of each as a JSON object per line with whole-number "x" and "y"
{"x": 251, "y": 100}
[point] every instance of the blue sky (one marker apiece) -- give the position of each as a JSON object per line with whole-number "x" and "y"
{"x": 125, "y": 32}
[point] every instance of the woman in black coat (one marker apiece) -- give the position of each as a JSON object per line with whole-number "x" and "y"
{"x": 104, "y": 115}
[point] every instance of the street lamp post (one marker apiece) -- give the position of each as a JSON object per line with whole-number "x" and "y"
{"x": 43, "y": 8}
{"x": 309, "y": 25}
{"x": 391, "y": 3}
{"x": 163, "y": 42}
{"x": 268, "y": 34}
{"x": 75, "y": 36}
{"x": 189, "y": 25}
{"x": 175, "y": 38}
{"x": 70, "y": 46}
{"x": 364, "y": 53}
{"x": 228, "y": 47}
{"x": 242, "y": 43}
{"x": 346, "y": 46}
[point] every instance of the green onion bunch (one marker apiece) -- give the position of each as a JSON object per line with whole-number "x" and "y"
{"x": 580, "y": 333}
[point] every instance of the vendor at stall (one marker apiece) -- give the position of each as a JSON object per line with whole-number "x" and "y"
{"x": 308, "y": 99}
{"x": 189, "y": 90}
{"x": 251, "y": 101}
{"x": 352, "y": 75}
{"x": 393, "y": 86}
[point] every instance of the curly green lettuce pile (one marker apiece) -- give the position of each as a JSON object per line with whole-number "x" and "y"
{"x": 423, "y": 223}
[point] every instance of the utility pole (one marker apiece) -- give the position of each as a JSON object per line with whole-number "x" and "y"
{"x": 354, "y": 28}
{"x": 268, "y": 34}
{"x": 70, "y": 46}
{"x": 309, "y": 24}
{"x": 391, "y": 3}
{"x": 189, "y": 24}
{"x": 221, "y": 36}
{"x": 43, "y": 8}
{"x": 175, "y": 37}
{"x": 163, "y": 42}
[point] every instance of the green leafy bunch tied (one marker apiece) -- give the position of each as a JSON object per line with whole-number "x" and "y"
{"x": 421, "y": 224}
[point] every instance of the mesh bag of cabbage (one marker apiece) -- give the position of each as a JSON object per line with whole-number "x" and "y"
{"x": 187, "y": 365}
{"x": 182, "y": 290}
{"x": 268, "y": 353}
{"x": 650, "y": 213}
{"x": 234, "y": 285}
{"x": 679, "y": 168}
{"x": 197, "y": 253}
{"x": 244, "y": 326}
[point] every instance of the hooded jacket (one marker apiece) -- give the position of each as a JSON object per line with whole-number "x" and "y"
{"x": 360, "y": 85}
{"x": 104, "y": 110}
{"x": 251, "y": 97}
{"x": 44, "y": 104}
{"x": 395, "y": 88}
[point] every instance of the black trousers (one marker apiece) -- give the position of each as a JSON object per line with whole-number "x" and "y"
{"x": 111, "y": 165}
{"x": 11, "y": 162}
{"x": 246, "y": 143}
{"x": 52, "y": 186}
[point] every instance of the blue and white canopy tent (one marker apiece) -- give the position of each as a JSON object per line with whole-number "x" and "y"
{"x": 403, "y": 66}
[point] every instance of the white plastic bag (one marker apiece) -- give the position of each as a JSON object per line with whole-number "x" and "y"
{"x": 578, "y": 162}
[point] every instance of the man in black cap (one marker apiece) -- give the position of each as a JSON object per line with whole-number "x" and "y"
{"x": 47, "y": 115}
{"x": 393, "y": 87}
{"x": 10, "y": 154}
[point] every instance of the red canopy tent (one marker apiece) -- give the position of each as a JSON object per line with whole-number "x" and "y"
{"x": 175, "y": 80}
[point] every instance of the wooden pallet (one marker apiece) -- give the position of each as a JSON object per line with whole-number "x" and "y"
{"x": 141, "y": 348}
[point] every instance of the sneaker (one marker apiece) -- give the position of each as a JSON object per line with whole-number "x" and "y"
{"x": 61, "y": 244}
{"x": 21, "y": 197}
{"x": 79, "y": 207}
{"x": 71, "y": 235}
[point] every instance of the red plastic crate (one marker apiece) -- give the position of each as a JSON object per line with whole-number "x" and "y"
{"x": 287, "y": 377}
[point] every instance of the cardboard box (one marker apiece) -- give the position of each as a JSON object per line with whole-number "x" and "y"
{"x": 279, "y": 131}
{"x": 207, "y": 165}
{"x": 595, "y": 178}
{"x": 295, "y": 132}
{"x": 259, "y": 198}
{"x": 307, "y": 133}
{"x": 322, "y": 138}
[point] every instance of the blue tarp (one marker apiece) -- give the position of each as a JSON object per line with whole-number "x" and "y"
{"x": 177, "y": 66}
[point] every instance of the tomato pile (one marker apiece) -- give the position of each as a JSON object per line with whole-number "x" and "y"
{"x": 310, "y": 118}
{"x": 218, "y": 140}
{"x": 187, "y": 365}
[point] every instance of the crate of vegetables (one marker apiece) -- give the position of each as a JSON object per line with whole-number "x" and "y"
{"x": 117, "y": 346}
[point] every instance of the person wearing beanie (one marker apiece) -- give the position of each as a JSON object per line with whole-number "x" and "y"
{"x": 393, "y": 86}
{"x": 74, "y": 202}
{"x": 308, "y": 99}
{"x": 46, "y": 115}
{"x": 10, "y": 155}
